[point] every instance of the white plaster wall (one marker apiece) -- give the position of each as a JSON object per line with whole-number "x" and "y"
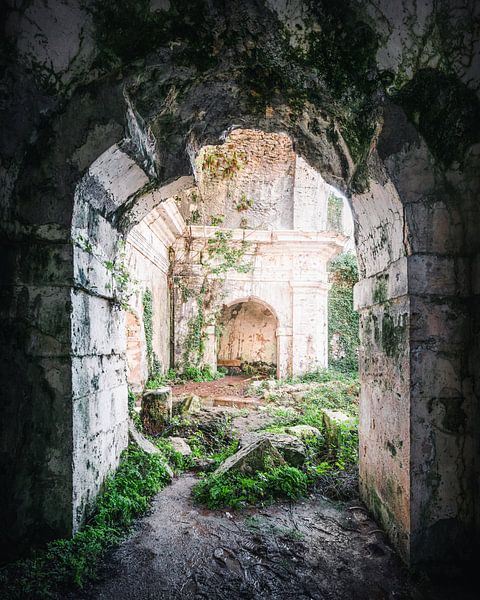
{"x": 288, "y": 276}
{"x": 248, "y": 333}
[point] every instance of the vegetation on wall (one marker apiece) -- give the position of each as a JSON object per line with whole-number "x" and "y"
{"x": 74, "y": 561}
{"x": 220, "y": 255}
{"x": 334, "y": 212}
{"x": 343, "y": 322}
{"x": 154, "y": 365}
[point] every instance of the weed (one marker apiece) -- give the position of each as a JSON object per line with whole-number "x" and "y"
{"x": 236, "y": 491}
{"x": 74, "y": 561}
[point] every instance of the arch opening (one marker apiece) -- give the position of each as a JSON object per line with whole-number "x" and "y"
{"x": 247, "y": 336}
{"x": 415, "y": 208}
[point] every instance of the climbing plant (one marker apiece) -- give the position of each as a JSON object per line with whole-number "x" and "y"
{"x": 342, "y": 318}
{"x": 220, "y": 255}
{"x": 154, "y": 365}
{"x": 334, "y": 212}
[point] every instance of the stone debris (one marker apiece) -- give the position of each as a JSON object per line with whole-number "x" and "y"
{"x": 180, "y": 445}
{"x": 186, "y": 404}
{"x": 333, "y": 420}
{"x": 144, "y": 444}
{"x": 304, "y": 431}
{"x": 259, "y": 455}
{"x": 156, "y": 409}
{"x": 289, "y": 446}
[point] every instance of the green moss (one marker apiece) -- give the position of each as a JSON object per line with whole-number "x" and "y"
{"x": 393, "y": 335}
{"x": 127, "y": 30}
{"x": 380, "y": 290}
{"x": 445, "y": 111}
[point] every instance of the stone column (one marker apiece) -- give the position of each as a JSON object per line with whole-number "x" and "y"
{"x": 310, "y": 326}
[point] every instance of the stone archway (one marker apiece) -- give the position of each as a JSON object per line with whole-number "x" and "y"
{"x": 411, "y": 172}
{"x": 247, "y": 333}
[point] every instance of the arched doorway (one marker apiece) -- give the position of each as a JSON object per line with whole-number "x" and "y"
{"x": 246, "y": 333}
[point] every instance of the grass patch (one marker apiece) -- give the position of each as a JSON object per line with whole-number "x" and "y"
{"x": 237, "y": 491}
{"x": 331, "y": 459}
{"x": 72, "y": 562}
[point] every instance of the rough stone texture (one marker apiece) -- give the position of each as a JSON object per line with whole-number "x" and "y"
{"x": 248, "y": 334}
{"x": 289, "y": 446}
{"x": 259, "y": 455}
{"x": 180, "y": 445}
{"x": 156, "y": 409}
{"x": 391, "y": 118}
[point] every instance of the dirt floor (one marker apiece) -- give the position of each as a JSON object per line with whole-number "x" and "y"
{"x": 313, "y": 549}
{"x": 231, "y": 385}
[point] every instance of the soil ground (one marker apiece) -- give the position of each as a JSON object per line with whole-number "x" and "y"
{"x": 314, "y": 549}
{"x": 231, "y": 385}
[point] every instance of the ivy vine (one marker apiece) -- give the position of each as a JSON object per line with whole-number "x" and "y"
{"x": 343, "y": 320}
{"x": 154, "y": 365}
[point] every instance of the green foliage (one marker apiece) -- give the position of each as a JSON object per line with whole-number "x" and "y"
{"x": 226, "y": 255}
{"x": 154, "y": 366}
{"x": 74, "y": 561}
{"x": 216, "y": 220}
{"x": 204, "y": 373}
{"x": 222, "y": 162}
{"x": 236, "y": 491}
{"x": 334, "y": 212}
{"x": 244, "y": 203}
{"x": 343, "y": 322}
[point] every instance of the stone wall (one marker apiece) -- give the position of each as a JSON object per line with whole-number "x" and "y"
{"x": 395, "y": 111}
{"x": 148, "y": 262}
{"x": 248, "y": 333}
{"x": 288, "y": 275}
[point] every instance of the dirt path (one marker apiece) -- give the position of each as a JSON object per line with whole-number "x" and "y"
{"x": 314, "y": 549}
{"x": 231, "y": 385}
{"x": 310, "y": 550}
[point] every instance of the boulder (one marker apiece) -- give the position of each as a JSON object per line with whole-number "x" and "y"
{"x": 186, "y": 404}
{"x": 144, "y": 444}
{"x": 304, "y": 431}
{"x": 260, "y": 455}
{"x": 156, "y": 409}
{"x": 180, "y": 445}
{"x": 333, "y": 420}
{"x": 289, "y": 446}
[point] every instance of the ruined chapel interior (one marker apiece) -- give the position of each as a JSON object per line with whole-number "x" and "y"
{"x": 202, "y": 205}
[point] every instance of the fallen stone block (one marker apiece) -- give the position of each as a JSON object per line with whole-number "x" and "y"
{"x": 156, "y": 409}
{"x": 289, "y": 446}
{"x": 186, "y": 404}
{"x": 180, "y": 445}
{"x": 260, "y": 455}
{"x": 145, "y": 445}
{"x": 334, "y": 421}
{"x": 304, "y": 431}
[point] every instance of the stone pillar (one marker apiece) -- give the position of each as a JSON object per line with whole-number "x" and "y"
{"x": 310, "y": 326}
{"x": 417, "y": 409}
{"x": 284, "y": 352}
